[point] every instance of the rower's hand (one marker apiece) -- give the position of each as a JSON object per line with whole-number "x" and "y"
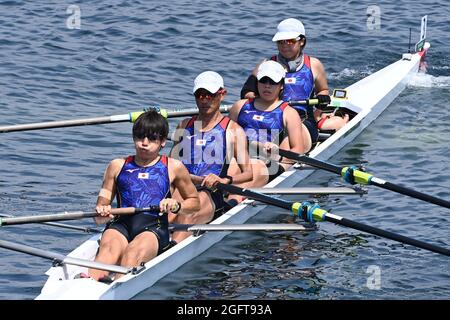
{"x": 270, "y": 147}
{"x": 211, "y": 180}
{"x": 324, "y": 101}
{"x": 169, "y": 205}
{"x": 104, "y": 214}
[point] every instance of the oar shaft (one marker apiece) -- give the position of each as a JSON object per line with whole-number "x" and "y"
{"x": 409, "y": 192}
{"x": 129, "y": 117}
{"x": 59, "y": 258}
{"x": 311, "y": 191}
{"x": 66, "y": 123}
{"x": 47, "y": 218}
{"x": 70, "y": 216}
{"x": 364, "y": 178}
{"x": 311, "y": 161}
{"x": 60, "y": 225}
{"x": 386, "y": 234}
{"x": 255, "y": 195}
{"x": 307, "y": 213}
{"x": 240, "y": 227}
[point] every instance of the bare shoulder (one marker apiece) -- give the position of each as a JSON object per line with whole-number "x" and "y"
{"x": 234, "y": 130}
{"x": 114, "y": 167}
{"x": 183, "y": 123}
{"x": 117, "y": 164}
{"x": 315, "y": 62}
{"x": 236, "y": 108}
{"x": 175, "y": 165}
{"x": 234, "y": 125}
{"x": 290, "y": 113}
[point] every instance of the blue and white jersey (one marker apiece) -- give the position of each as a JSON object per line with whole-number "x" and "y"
{"x": 262, "y": 126}
{"x": 142, "y": 187}
{"x": 207, "y": 150}
{"x": 299, "y": 85}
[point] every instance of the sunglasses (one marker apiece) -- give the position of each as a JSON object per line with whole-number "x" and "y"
{"x": 267, "y": 80}
{"x": 289, "y": 41}
{"x": 150, "y": 137}
{"x": 200, "y": 95}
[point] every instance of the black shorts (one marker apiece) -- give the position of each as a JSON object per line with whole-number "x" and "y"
{"x": 131, "y": 226}
{"x": 218, "y": 200}
{"x": 311, "y": 125}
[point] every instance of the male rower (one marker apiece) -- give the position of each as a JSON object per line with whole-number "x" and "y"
{"x": 143, "y": 180}
{"x": 208, "y": 144}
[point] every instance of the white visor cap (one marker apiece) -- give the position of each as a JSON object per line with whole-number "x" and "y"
{"x": 289, "y": 29}
{"x": 271, "y": 69}
{"x": 208, "y": 80}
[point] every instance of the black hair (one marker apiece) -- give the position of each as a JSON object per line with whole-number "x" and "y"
{"x": 149, "y": 124}
{"x": 304, "y": 44}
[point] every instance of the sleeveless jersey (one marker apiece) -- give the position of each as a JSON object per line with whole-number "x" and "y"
{"x": 142, "y": 187}
{"x": 299, "y": 85}
{"x": 208, "y": 150}
{"x": 262, "y": 126}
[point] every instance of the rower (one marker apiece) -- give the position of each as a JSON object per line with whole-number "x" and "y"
{"x": 210, "y": 145}
{"x": 142, "y": 180}
{"x": 305, "y": 78}
{"x": 270, "y": 123}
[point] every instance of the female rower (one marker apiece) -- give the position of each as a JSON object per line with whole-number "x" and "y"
{"x": 305, "y": 78}
{"x": 270, "y": 122}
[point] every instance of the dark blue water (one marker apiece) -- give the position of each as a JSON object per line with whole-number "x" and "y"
{"x": 127, "y": 55}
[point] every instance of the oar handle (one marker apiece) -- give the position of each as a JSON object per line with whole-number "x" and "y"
{"x": 307, "y": 102}
{"x": 71, "y": 215}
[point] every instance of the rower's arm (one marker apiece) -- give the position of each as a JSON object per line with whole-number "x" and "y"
{"x": 197, "y": 180}
{"x": 233, "y": 114}
{"x": 108, "y": 190}
{"x": 320, "y": 77}
{"x": 240, "y": 153}
{"x": 294, "y": 127}
{"x": 181, "y": 181}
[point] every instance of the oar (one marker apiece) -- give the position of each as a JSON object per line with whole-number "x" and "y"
{"x": 307, "y": 102}
{"x": 312, "y": 191}
{"x": 70, "y": 216}
{"x": 239, "y": 227}
{"x": 128, "y": 117}
{"x": 311, "y": 213}
{"x": 62, "y": 259}
{"x": 353, "y": 175}
{"x": 60, "y": 225}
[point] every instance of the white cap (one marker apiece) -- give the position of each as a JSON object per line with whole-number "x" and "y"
{"x": 271, "y": 69}
{"x": 289, "y": 29}
{"x": 209, "y": 80}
